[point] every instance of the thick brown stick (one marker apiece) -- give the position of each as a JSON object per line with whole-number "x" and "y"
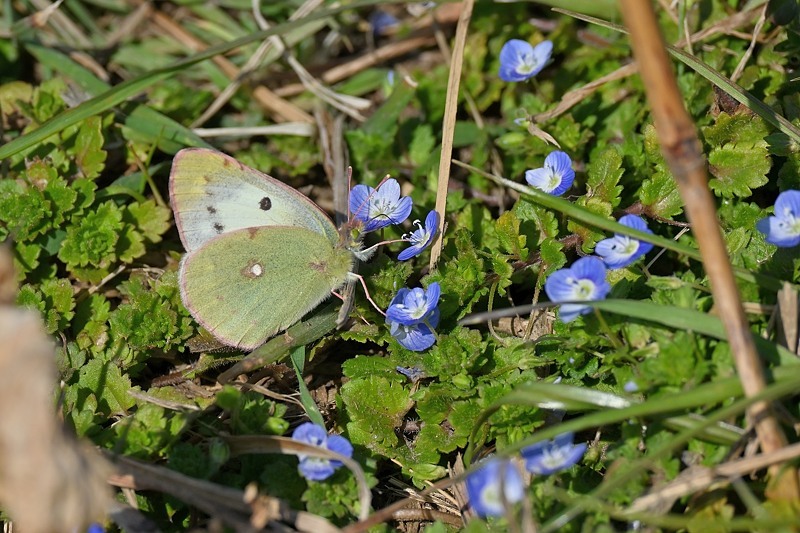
{"x": 683, "y": 153}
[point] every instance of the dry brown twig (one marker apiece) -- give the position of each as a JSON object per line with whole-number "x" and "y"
{"x": 683, "y": 153}
{"x": 48, "y": 481}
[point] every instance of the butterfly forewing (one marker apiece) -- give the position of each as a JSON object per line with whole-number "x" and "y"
{"x": 249, "y": 284}
{"x": 213, "y": 194}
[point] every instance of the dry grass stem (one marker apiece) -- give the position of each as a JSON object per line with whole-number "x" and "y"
{"x": 683, "y": 153}
{"x": 700, "y": 478}
{"x": 281, "y": 110}
{"x": 242, "y": 510}
{"x": 449, "y": 125}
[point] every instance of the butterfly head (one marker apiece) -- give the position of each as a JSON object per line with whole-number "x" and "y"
{"x": 351, "y": 236}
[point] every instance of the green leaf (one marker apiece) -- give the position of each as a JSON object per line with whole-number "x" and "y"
{"x": 90, "y": 325}
{"x": 53, "y": 299}
{"x": 738, "y": 168}
{"x": 660, "y": 196}
{"x": 298, "y": 359}
{"x": 149, "y": 219}
{"x": 422, "y": 144}
{"x": 23, "y": 209}
{"x": 741, "y": 128}
{"x": 88, "y": 151}
{"x": 603, "y": 176}
{"x": 375, "y": 406}
{"x": 151, "y": 317}
{"x": 251, "y": 413}
{"x": 552, "y": 255}
{"x": 588, "y": 235}
{"x": 107, "y": 383}
{"x": 93, "y": 240}
{"x": 511, "y": 242}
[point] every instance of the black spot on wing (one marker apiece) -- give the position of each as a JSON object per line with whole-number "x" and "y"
{"x": 219, "y": 228}
{"x": 211, "y": 209}
{"x": 265, "y": 203}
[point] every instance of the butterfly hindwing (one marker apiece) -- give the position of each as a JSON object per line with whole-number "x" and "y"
{"x": 213, "y": 194}
{"x": 246, "y": 285}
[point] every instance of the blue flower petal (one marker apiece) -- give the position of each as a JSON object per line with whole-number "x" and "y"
{"x": 542, "y": 53}
{"x": 783, "y": 229}
{"x": 378, "y": 208}
{"x": 340, "y": 445}
{"x": 555, "y": 177}
{"x": 788, "y": 204}
{"x": 310, "y": 433}
{"x": 592, "y": 268}
{"x": 422, "y": 237}
{"x": 559, "y": 285}
{"x": 621, "y": 250}
{"x": 359, "y": 202}
{"x": 549, "y": 457}
{"x": 569, "y": 312}
{"x": 316, "y": 468}
{"x": 560, "y": 165}
{"x": 417, "y": 338}
{"x": 539, "y": 178}
{"x": 584, "y": 280}
{"x": 520, "y": 61}
{"x": 635, "y": 222}
{"x": 415, "y": 306}
{"x": 412, "y": 315}
{"x": 488, "y": 486}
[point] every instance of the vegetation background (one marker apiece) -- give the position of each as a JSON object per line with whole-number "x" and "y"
{"x": 96, "y": 96}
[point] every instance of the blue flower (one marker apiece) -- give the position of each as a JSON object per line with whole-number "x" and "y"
{"x": 584, "y": 280}
{"x": 377, "y": 208}
{"x": 783, "y": 229}
{"x": 95, "y": 528}
{"x": 411, "y": 306}
{"x": 630, "y": 386}
{"x": 412, "y": 316}
{"x": 520, "y": 61}
{"x": 421, "y": 238}
{"x": 548, "y": 457}
{"x": 318, "y": 468}
{"x": 382, "y": 22}
{"x": 487, "y": 491}
{"x": 413, "y": 373}
{"x": 620, "y": 250}
{"x": 555, "y": 177}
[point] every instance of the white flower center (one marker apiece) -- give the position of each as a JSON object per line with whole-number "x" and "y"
{"x": 380, "y": 208}
{"x": 583, "y": 289}
{"x": 789, "y": 223}
{"x": 554, "y": 180}
{"x": 527, "y": 63}
{"x": 491, "y": 496}
{"x": 554, "y": 457}
{"x": 625, "y": 245}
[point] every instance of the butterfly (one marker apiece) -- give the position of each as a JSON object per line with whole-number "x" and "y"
{"x": 260, "y": 255}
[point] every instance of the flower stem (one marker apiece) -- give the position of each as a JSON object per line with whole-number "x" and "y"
{"x": 610, "y": 334}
